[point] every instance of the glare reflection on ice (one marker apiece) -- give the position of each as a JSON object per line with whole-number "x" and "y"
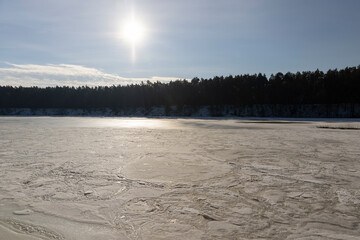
{"x": 134, "y": 123}
{"x": 87, "y": 122}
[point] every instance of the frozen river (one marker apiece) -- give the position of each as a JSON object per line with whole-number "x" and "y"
{"x": 124, "y": 178}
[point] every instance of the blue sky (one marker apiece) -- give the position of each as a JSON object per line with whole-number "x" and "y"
{"x": 77, "y": 42}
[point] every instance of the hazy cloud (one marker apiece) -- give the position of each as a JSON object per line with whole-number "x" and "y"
{"x": 64, "y": 75}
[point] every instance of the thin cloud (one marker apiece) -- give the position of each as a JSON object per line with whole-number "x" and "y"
{"x": 27, "y": 75}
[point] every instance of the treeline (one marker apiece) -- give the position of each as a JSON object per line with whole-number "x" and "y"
{"x": 332, "y": 87}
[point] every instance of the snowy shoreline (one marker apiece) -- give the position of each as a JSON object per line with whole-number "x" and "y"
{"x": 261, "y": 110}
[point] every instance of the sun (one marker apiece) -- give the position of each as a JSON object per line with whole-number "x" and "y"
{"x": 133, "y": 31}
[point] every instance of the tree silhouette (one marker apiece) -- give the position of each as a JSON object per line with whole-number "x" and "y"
{"x": 332, "y": 87}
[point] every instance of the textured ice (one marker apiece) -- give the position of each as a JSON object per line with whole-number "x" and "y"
{"x": 137, "y": 178}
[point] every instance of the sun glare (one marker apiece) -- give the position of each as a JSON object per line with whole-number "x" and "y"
{"x": 133, "y": 31}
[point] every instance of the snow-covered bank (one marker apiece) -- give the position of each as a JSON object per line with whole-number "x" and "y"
{"x": 259, "y": 110}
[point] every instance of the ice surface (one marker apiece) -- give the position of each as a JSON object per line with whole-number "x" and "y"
{"x": 137, "y": 178}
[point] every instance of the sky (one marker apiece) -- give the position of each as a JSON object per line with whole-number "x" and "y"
{"x": 82, "y": 42}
